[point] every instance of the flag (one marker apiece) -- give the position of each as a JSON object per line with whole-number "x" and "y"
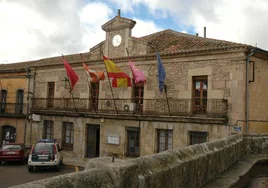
{"x": 73, "y": 78}
{"x": 137, "y": 73}
{"x": 95, "y": 76}
{"x": 161, "y": 73}
{"x": 119, "y": 78}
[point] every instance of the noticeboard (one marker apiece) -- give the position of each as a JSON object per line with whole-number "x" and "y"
{"x": 113, "y": 139}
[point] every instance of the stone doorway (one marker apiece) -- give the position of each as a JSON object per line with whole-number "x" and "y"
{"x": 93, "y": 141}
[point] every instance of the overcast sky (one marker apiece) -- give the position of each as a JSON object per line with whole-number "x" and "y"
{"x": 36, "y": 29}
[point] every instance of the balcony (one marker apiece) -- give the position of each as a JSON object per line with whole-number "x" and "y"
{"x": 13, "y": 109}
{"x": 215, "y": 108}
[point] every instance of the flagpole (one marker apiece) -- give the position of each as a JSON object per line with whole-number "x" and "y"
{"x": 110, "y": 84}
{"x": 72, "y": 95}
{"x": 165, "y": 89}
{"x": 70, "y": 91}
{"x": 127, "y": 54}
{"x": 89, "y": 86}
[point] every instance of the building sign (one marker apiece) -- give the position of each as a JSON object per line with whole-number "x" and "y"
{"x": 111, "y": 139}
{"x": 237, "y": 128}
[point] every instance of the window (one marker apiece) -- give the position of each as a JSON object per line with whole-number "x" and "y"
{"x": 48, "y": 129}
{"x": 19, "y": 102}
{"x": 68, "y": 135}
{"x": 8, "y": 134}
{"x": 200, "y": 87}
{"x": 138, "y": 92}
{"x": 3, "y": 101}
{"x": 164, "y": 139}
{"x": 197, "y": 137}
{"x": 133, "y": 142}
{"x": 51, "y": 89}
{"x": 94, "y": 95}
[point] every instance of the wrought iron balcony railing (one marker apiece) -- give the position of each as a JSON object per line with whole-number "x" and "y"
{"x": 13, "y": 109}
{"x": 174, "y": 107}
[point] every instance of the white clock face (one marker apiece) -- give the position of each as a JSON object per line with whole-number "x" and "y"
{"x": 117, "y": 40}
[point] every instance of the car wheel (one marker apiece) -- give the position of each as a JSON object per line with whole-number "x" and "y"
{"x": 23, "y": 161}
{"x": 57, "y": 168}
{"x": 0, "y": 163}
{"x": 61, "y": 162}
{"x": 30, "y": 168}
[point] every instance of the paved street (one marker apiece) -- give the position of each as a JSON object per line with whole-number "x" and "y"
{"x": 14, "y": 174}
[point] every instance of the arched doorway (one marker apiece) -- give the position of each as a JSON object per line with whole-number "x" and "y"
{"x": 8, "y": 134}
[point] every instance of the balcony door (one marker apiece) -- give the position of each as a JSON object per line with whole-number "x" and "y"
{"x": 19, "y": 102}
{"x": 3, "y": 97}
{"x": 138, "y": 91}
{"x": 50, "y": 93}
{"x": 200, "y": 91}
{"x": 94, "y": 95}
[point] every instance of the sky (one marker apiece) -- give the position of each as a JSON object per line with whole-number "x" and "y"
{"x": 36, "y": 29}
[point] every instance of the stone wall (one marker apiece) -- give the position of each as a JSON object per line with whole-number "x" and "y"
{"x": 255, "y": 144}
{"x": 192, "y": 166}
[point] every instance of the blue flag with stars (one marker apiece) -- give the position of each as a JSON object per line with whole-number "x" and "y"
{"x": 161, "y": 73}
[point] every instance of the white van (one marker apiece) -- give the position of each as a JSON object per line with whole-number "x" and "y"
{"x": 45, "y": 153}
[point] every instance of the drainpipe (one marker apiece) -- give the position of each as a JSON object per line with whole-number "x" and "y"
{"x": 28, "y": 70}
{"x": 33, "y": 89}
{"x": 247, "y": 86}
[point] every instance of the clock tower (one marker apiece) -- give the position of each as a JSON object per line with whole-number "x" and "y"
{"x": 118, "y": 33}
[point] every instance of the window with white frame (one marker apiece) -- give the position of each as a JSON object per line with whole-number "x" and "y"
{"x": 68, "y": 135}
{"x": 164, "y": 139}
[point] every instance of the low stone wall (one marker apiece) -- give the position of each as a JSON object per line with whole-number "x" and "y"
{"x": 192, "y": 166}
{"x": 255, "y": 144}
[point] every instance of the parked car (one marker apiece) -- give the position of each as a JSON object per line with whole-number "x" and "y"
{"x": 14, "y": 152}
{"x": 45, "y": 153}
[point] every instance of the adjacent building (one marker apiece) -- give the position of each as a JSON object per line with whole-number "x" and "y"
{"x": 16, "y": 84}
{"x": 213, "y": 87}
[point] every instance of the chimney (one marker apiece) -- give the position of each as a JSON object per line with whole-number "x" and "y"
{"x": 118, "y": 13}
{"x": 205, "y": 32}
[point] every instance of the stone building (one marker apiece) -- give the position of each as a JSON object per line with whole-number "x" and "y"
{"x": 213, "y": 87}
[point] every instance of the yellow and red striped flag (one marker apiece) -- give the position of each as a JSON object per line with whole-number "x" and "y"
{"x": 119, "y": 78}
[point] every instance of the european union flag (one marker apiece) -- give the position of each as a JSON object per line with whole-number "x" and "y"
{"x": 161, "y": 73}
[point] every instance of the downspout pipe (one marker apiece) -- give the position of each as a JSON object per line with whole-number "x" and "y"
{"x": 247, "y": 87}
{"x": 28, "y": 70}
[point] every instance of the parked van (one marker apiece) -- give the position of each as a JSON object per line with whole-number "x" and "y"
{"x": 45, "y": 153}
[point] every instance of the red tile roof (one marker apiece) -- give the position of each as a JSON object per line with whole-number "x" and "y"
{"x": 169, "y": 41}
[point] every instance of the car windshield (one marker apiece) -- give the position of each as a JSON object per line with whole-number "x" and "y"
{"x": 11, "y": 147}
{"x": 43, "y": 148}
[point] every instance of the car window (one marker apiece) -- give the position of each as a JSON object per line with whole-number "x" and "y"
{"x": 43, "y": 148}
{"x": 11, "y": 147}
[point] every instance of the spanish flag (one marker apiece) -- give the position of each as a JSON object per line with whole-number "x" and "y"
{"x": 119, "y": 78}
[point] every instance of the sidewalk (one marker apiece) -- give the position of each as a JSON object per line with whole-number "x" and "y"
{"x": 79, "y": 162}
